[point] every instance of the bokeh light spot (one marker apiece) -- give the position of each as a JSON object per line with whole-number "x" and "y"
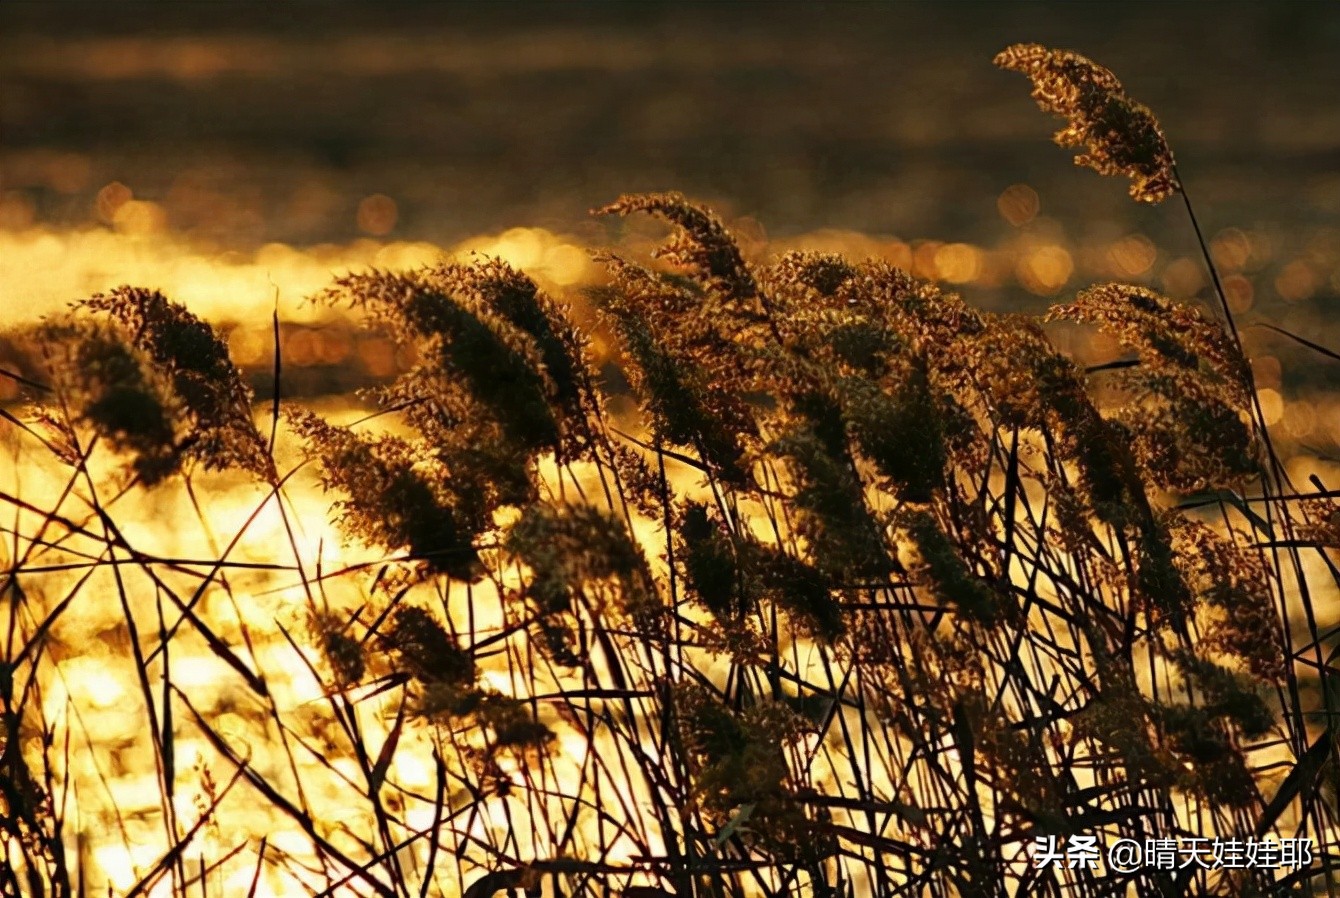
{"x": 1300, "y": 419}
{"x": 1018, "y": 204}
{"x": 111, "y": 198}
{"x": 1045, "y": 269}
{"x": 140, "y": 218}
{"x": 1239, "y": 292}
{"x": 1272, "y": 406}
{"x": 377, "y": 214}
{"x": 1183, "y": 278}
{"x": 1266, "y": 371}
{"x": 924, "y": 260}
{"x": 1133, "y": 255}
{"x": 1231, "y": 249}
{"x": 1296, "y": 281}
{"x": 958, "y": 263}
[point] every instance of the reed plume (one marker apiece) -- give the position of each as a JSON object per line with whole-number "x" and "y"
{"x": 866, "y": 591}
{"x": 1121, "y": 136}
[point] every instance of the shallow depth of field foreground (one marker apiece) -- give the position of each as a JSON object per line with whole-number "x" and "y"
{"x": 688, "y": 566}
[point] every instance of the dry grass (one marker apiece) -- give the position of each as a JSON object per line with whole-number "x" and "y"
{"x": 872, "y": 591}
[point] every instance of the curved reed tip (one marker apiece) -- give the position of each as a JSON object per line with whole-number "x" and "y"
{"x": 1121, "y": 136}
{"x": 667, "y": 202}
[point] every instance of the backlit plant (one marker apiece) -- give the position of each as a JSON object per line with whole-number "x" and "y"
{"x": 867, "y": 591}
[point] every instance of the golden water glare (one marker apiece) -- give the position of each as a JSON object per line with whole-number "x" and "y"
{"x": 115, "y": 807}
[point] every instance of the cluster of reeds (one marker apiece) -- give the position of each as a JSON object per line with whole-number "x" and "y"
{"x": 873, "y": 591}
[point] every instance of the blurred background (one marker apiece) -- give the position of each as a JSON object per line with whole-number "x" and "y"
{"x": 237, "y": 155}
{"x": 227, "y": 152}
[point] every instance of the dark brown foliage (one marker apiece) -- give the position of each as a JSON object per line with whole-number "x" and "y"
{"x": 153, "y": 380}
{"x": 395, "y": 500}
{"x": 867, "y": 590}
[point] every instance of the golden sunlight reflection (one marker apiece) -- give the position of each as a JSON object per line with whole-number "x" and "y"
{"x": 811, "y": 575}
{"x": 283, "y": 556}
{"x": 41, "y": 270}
{"x": 1045, "y": 269}
{"x": 958, "y": 263}
{"x": 1272, "y": 405}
